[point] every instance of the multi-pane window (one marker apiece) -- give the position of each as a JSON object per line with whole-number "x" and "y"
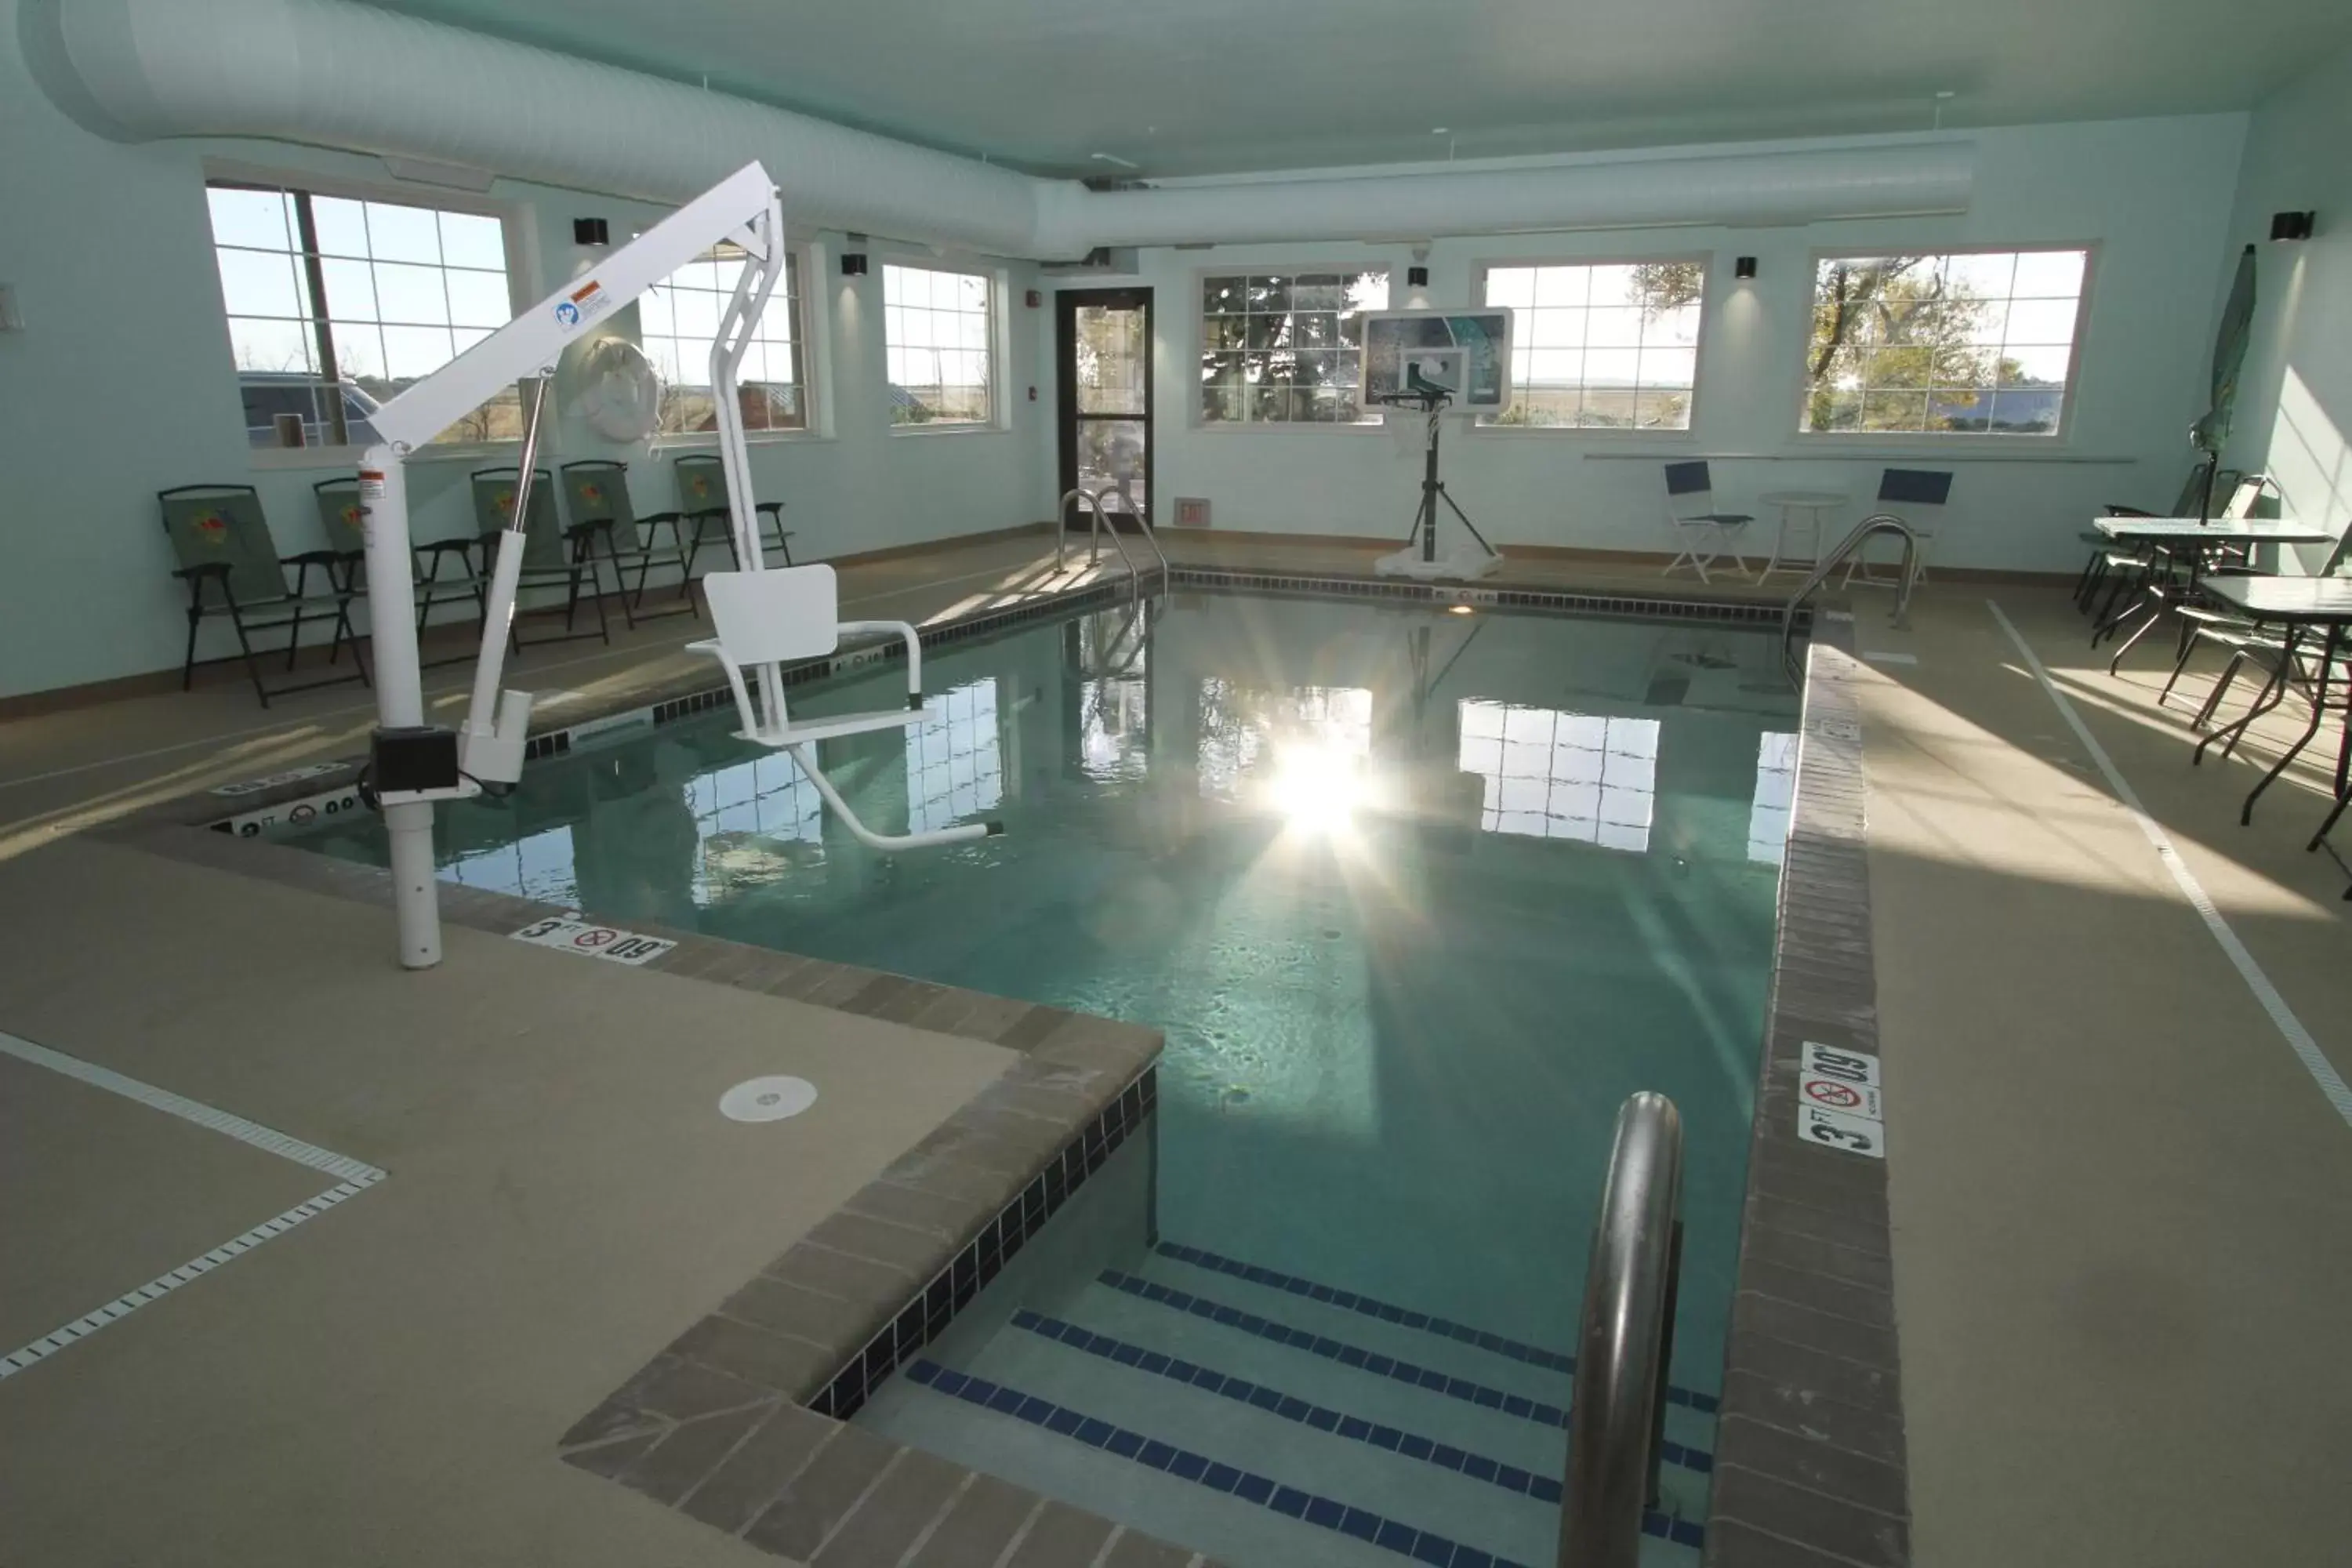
{"x": 1776, "y": 793}
{"x": 1607, "y": 347}
{"x": 955, "y": 761}
{"x": 1553, "y": 775}
{"x": 937, "y": 328}
{"x": 1285, "y": 348}
{"x": 679, "y": 317}
{"x": 335, "y": 305}
{"x": 1974, "y": 343}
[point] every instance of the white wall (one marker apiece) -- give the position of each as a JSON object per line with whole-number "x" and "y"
{"x": 2294, "y": 402}
{"x": 2151, "y": 196}
{"x": 122, "y": 385}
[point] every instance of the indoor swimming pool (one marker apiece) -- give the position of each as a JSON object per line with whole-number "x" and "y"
{"x": 1419, "y": 898}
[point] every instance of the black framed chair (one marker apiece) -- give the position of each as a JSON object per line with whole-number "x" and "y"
{"x": 344, "y": 517}
{"x": 231, "y": 566}
{"x": 596, "y": 493}
{"x": 1703, "y": 533}
{"x": 1917, "y": 497}
{"x": 553, "y": 556}
{"x": 702, "y": 501}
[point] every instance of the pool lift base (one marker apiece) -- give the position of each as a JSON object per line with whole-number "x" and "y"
{"x": 1419, "y": 559}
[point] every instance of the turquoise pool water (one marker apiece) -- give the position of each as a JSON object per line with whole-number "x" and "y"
{"x": 1418, "y": 897}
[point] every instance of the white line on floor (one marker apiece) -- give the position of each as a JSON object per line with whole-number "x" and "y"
{"x": 163, "y": 1285}
{"x": 163, "y": 1099}
{"x": 2298, "y": 1039}
{"x": 357, "y": 1176}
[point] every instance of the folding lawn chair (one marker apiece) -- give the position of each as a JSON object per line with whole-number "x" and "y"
{"x": 703, "y": 501}
{"x": 553, "y": 556}
{"x": 231, "y": 566}
{"x": 597, "y": 492}
{"x": 343, "y": 516}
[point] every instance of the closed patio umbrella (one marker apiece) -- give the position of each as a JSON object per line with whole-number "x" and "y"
{"x": 2211, "y": 433}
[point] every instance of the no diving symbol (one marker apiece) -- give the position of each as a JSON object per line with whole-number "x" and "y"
{"x": 596, "y": 936}
{"x": 1836, "y": 1096}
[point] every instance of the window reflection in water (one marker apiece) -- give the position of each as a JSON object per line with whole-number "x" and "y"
{"x": 955, "y": 764}
{"x": 1555, "y": 774}
{"x": 1775, "y": 786}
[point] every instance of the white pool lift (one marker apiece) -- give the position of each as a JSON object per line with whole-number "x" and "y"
{"x": 765, "y": 618}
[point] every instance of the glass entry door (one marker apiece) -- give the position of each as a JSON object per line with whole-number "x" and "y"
{"x": 1103, "y": 347}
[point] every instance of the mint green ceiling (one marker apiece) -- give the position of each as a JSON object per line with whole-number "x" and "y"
{"x": 1202, "y": 85}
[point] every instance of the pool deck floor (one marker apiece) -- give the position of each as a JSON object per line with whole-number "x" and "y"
{"x": 2118, "y": 1199}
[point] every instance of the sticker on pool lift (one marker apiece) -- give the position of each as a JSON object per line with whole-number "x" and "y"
{"x": 579, "y": 936}
{"x": 1837, "y": 1104}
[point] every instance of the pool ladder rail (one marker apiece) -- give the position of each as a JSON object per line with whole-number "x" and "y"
{"x": 1094, "y": 499}
{"x": 1905, "y": 580}
{"x": 1625, "y": 1342}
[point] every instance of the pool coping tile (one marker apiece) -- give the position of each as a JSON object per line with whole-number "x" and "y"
{"x": 1811, "y": 1461}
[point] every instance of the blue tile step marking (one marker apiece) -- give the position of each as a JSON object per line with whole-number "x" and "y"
{"x": 1421, "y": 1545}
{"x": 1306, "y": 1413}
{"x": 1403, "y": 1317}
{"x": 1380, "y": 1365}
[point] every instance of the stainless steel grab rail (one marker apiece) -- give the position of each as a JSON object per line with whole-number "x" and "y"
{"x": 1626, "y": 1341}
{"x": 1875, "y": 524}
{"x": 1094, "y": 499}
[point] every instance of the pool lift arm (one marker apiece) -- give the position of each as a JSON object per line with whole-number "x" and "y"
{"x": 414, "y": 764}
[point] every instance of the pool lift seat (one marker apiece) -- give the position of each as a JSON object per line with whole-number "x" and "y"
{"x": 771, "y": 617}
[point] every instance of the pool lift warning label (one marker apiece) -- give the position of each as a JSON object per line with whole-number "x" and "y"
{"x": 1837, "y": 1104}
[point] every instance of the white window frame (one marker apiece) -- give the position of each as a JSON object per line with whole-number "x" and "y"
{"x": 520, "y": 256}
{"x": 815, "y": 365}
{"x": 1869, "y": 442}
{"x": 1363, "y": 425}
{"x": 1000, "y": 412}
{"x": 1706, "y": 303}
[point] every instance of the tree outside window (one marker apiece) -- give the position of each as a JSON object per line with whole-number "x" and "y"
{"x": 1970, "y": 344}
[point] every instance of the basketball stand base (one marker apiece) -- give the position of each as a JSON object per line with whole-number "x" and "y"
{"x": 1460, "y": 567}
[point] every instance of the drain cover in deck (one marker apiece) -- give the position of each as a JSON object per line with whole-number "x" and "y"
{"x": 767, "y": 1099}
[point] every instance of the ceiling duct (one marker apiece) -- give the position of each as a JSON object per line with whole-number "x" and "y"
{"x": 333, "y": 73}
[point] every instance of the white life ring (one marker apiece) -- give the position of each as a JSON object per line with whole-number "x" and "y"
{"x": 620, "y": 395}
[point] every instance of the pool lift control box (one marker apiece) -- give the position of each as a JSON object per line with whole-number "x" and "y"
{"x": 416, "y": 764}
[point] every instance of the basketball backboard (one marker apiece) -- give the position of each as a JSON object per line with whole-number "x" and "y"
{"x": 1464, "y": 355}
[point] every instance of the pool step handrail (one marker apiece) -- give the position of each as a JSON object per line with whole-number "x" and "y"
{"x": 1868, "y": 528}
{"x": 1625, "y": 1342}
{"x": 1094, "y": 499}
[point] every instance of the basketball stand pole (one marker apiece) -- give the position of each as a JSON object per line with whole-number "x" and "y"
{"x": 1432, "y": 491}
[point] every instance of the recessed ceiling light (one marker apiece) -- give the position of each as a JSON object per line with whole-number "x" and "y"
{"x": 1440, "y": 131}
{"x": 1106, "y": 158}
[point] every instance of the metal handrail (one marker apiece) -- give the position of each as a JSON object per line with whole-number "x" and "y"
{"x": 1062, "y": 520}
{"x": 1626, "y": 1341}
{"x": 1876, "y": 524}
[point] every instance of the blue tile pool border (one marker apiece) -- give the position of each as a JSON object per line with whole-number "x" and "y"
{"x": 1265, "y": 1492}
{"x": 1394, "y": 1368}
{"x": 1402, "y": 1317}
{"x": 1323, "y": 1418}
{"x": 981, "y": 1259}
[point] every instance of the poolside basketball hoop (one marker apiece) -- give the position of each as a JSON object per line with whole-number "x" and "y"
{"x": 1436, "y": 362}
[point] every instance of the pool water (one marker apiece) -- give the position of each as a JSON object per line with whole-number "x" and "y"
{"x": 1419, "y": 898}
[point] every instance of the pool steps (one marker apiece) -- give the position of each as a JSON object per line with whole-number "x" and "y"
{"x": 1263, "y": 1418}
